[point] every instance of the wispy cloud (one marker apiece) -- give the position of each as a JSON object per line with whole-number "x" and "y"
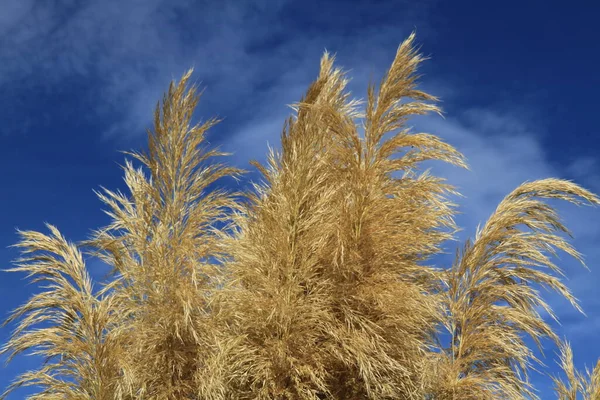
{"x": 130, "y": 50}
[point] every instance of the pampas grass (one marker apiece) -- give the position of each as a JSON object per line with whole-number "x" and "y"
{"x": 315, "y": 284}
{"x": 585, "y": 384}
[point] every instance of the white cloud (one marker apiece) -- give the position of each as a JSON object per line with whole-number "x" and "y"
{"x": 131, "y": 49}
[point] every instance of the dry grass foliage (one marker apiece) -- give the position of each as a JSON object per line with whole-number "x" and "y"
{"x": 316, "y": 284}
{"x": 80, "y": 337}
{"x": 587, "y": 385}
{"x": 491, "y": 301}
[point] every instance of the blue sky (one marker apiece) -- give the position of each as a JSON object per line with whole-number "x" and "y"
{"x": 79, "y": 80}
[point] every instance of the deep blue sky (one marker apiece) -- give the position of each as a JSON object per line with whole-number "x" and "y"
{"x": 79, "y": 79}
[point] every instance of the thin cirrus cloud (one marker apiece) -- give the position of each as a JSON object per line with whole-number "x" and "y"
{"x": 253, "y": 61}
{"x": 133, "y": 48}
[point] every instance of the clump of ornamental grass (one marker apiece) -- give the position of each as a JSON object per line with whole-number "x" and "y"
{"x": 319, "y": 284}
{"x": 587, "y": 384}
{"x": 333, "y": 240}
{"x": 150, "y": 333}
{"x": 374, "y": 239}
{"x": 491, "y": 301}
{"x": 75, "y": 330}
{"x": 389, "y": 220}
{"x": 277, "y": 299}
{"x": 160, "y": 242}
